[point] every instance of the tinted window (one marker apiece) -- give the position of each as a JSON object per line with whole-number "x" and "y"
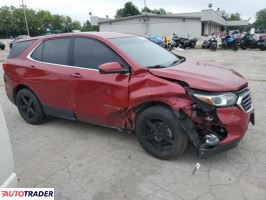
{"x": 89, "y": 53}
{"x": 56, "y": 51}
{"x": 19, "y": 47}
{"x": 37, "y": 53}
{"x": 144, "y": 52}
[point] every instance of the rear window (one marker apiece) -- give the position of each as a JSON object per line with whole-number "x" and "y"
{"x": 19, "y": 47}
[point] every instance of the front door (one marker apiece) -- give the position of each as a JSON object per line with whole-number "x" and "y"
{"x": 98, "y": 98}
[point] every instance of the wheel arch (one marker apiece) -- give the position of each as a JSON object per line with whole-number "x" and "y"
{"x": 20, "y": 87}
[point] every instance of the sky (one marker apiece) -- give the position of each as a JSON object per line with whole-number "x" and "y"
{"x": 79, "y": 9}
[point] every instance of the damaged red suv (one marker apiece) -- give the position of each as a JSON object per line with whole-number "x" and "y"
{"x": 129, "y": 83}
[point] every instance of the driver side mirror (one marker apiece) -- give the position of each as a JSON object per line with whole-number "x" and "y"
{"x": 112, "y": 68}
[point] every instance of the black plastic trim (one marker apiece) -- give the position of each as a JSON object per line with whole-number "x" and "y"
{"x": 58, "y": 112}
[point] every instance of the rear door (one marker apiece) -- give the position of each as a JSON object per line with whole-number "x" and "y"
{"x": 53, "y": 77}
{"x": 98, "y": 98}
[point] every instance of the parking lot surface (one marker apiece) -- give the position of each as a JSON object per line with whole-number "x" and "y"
{"x": 83, "y": 161}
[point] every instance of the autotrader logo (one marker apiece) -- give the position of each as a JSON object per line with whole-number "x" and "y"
{"x": 26, "y": 193}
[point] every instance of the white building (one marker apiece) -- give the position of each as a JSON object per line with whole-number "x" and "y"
{"x": 193, "y": 24}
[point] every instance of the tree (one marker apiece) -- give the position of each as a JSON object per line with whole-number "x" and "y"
{"x": 261, "y": 19}
{"x": 12, "y": 22}
{"x": 159, "y": 11}
{"x": 234, "y": 17}
{"x": 88, "y": 27}
{"x": 129, "y": 10}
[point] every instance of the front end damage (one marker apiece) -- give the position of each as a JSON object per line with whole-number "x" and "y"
{"x": 216, "y": 129}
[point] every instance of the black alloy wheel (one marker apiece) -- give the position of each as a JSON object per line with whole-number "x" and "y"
{"x": 160, "y": 133}
{"x": 29, "y": 107}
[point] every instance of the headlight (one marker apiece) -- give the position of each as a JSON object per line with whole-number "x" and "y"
{"x": 225, "y": 99}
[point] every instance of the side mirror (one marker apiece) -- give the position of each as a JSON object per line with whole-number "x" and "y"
{"x": 112, "y": 68}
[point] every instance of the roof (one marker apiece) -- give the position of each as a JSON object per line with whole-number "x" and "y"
{"x": 177, "y": 16}
{"x": 238, "y": 23}
{"x": 106, "y": 35}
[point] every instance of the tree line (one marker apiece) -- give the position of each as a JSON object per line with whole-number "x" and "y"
{"x": 12, "y": 22}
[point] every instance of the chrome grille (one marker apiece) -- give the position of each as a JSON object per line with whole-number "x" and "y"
{"x": 244, "y": 100}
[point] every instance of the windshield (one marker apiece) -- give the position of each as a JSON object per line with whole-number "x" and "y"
{"x": 144, "y": 52}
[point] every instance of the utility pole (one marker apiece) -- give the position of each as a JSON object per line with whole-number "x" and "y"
{"x": 145, "y": 18}
{"x": 27, "y": 27}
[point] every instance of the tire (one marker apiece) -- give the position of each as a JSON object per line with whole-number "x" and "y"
{"x": 29, "y": 107}
{"x": 3, "y": 47}
{"x": 243, "y": 47}
{"x": 235, "y": 47}
{"x": 160, "y": 134}
{"x": 213, "y": 47}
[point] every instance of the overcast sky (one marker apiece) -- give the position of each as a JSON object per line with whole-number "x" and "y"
{"x": 79, "y": 9}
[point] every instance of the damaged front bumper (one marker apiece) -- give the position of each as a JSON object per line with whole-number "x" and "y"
{"x": 231, "y": 119}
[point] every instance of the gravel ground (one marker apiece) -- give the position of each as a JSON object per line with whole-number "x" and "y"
{"x": 83, "y": 161}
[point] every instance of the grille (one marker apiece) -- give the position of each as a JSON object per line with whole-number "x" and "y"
{"x": 244, "y": 100}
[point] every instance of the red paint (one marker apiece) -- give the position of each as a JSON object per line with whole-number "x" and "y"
{"x": 112, "y": 99}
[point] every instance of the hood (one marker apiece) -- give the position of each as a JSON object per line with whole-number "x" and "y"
{"x": 203, "y": 76}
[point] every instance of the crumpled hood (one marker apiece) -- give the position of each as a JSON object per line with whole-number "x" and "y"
{"x": 203, "y": 76}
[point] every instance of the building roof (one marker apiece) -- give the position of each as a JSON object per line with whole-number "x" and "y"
{"x": 150, "y": 16}
{"x": 208, "y": 15}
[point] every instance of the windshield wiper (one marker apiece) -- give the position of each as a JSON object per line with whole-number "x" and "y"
{"x": 178, "y": 61}
{"x": 156, "y": 66}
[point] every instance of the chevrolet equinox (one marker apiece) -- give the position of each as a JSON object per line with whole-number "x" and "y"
{"x": 126, "y": 82}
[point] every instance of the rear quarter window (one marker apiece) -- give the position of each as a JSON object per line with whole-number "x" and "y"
{"x": 18, "y": 48}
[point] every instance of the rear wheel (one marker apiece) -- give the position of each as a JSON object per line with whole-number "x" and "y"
{"x": 243, "y": 46}
{"x": 29, "y": 107}
{"x": 213, "y": 47}
{"x": 160, "y": 134}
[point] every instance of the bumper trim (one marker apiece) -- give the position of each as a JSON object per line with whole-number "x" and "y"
{"x": 205, "y": 153}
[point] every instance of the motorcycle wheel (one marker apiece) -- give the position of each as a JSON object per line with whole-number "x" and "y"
{"x": 213, "y": 48}
{"x": 262, "y": 48}
{"x": 243, "y": 47}
{"x": 170, "y": 47}
{"x": 235, "y": 47}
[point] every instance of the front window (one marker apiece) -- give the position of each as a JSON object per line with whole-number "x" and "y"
{"x": 144, "y": 52}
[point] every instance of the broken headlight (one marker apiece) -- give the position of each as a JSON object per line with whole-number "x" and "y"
{"x": 223, "y": 99}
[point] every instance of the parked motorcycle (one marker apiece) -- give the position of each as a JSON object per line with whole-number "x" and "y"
{"x": 211, "y": 44}
{"x": 249, "y": 42}
{"x": 183, "y": 42}
{"x": 230, "y": 42}
{"x": 158, "y": 40}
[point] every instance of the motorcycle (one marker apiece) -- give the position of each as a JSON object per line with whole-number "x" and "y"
{"x": 211, "y": 44}
{"x": 249, "y": 42}
{"x": 158, "y": 40}
{"x": 230, "y": 42}
{"x": 183, "y": 42}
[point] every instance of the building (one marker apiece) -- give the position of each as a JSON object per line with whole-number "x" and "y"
{"x": 193, "y": 24}
{"x": 95, "y": 20}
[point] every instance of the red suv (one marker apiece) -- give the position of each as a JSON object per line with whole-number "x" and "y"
{"x": 129, "y": 83}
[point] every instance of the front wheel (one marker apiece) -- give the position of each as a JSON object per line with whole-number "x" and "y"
{"x": 160, "y": 134}
{"x": 29, "y": 107}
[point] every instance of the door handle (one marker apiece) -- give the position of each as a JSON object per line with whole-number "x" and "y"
{"x": 32, "y": 67}
{"x": 76, "y": 75}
